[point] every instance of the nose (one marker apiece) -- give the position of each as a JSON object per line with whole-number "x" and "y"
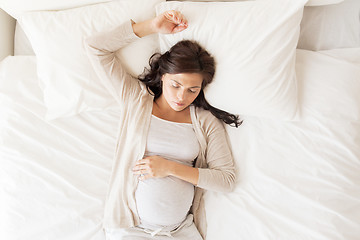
{"x": 181, "y": 95}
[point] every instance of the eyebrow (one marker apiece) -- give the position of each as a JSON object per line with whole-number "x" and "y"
{"x": 182, "y": 85}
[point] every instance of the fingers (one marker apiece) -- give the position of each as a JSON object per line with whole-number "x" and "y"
{"x": 141, "y": 168}
{"x": 142, "y": 161}
{"x": 151, "y": 167}
{"x": 141, "y": 172}
{"x": 169, "y": 22}
{"x": 179, "y": 28}
{"x": 141, "y": 164}
{"x": 144, "y": 177}
{"x": 176, "y": 17}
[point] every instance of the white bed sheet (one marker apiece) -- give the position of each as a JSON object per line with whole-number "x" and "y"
{"x": 53, "y": 175}
{"x": 297, "y": 180}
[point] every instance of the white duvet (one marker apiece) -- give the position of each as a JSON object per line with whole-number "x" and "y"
{"x": 297, "y": 180}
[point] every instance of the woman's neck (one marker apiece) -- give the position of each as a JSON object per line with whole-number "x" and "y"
{"x": 162, "y": 109}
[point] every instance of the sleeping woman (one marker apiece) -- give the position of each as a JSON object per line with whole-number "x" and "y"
{"x": 171, "y": 143}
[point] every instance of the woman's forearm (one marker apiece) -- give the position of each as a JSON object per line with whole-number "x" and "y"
{"x": 144, "y": 28}
{"x": 184, "y": 172}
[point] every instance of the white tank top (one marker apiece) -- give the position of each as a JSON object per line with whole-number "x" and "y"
{"x": 165, "y": 202}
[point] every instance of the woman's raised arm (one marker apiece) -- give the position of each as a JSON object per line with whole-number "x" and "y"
{"x": 102, "y": 47}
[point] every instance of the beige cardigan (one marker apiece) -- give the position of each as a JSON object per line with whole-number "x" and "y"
{"x": 215, "y": 162}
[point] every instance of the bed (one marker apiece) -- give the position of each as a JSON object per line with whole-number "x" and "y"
{"x": 297, "y": 154}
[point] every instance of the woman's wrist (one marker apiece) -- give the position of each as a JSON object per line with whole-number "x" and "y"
{"x": 144, "y": 28}
{"x": 184, "y": 172}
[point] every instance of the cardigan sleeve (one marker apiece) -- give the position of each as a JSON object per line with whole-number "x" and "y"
{"x": 101, "y": 49}
{"x": 220, "y": 172}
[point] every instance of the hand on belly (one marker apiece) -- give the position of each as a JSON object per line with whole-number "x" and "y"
{"x": 152, "y": 167}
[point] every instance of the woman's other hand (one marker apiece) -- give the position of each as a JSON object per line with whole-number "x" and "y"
{"x": 152, "y": 167}
{"x": 170, "y": 22}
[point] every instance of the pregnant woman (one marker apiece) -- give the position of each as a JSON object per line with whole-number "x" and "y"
{"x": 171, "y": 143}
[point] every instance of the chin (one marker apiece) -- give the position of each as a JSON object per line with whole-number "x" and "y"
{"x": 178, "y": 108}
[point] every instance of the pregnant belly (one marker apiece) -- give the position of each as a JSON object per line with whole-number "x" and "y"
{"x": 164, "y": 201}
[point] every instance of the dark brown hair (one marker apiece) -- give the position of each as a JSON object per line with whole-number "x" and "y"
{"x": 185, "y": 57}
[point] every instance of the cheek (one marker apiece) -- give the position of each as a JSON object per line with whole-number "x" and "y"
{"x": 169, "y": 92}
{"x": 190, "y": 97}
{"x": 194, "y": 96}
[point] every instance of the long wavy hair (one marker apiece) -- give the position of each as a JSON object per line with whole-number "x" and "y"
{"x": 185, "y": 57}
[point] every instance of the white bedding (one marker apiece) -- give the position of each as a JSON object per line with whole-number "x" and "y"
{"x": 320, "y": 27}
{"x": 297, "y": 180}
{"x": 53, "y": 175}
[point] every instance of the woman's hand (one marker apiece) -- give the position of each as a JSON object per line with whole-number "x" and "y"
{"x": 158, "y": 167}
{"x": 169, "y": 22}
{"x": 152, "y": 167}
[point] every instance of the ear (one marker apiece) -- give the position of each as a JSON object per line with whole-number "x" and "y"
{"x": 162, "y": 81}
{"x": 162, "y": 77}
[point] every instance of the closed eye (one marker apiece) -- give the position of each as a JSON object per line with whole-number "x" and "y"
{"x": 192, "y": 91}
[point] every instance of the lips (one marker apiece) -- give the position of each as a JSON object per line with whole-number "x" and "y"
{"x": 179, "y": 104}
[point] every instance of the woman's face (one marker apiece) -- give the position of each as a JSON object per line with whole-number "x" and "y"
{"x": 180, "y": 90}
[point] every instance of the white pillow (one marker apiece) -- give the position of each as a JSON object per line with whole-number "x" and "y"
{"x": 17, "y": 7}
{"x": 22, "y": 87}
{"x": 7, "y": 26}
{"x": 322, "y": 2}
{"x": 254, "y": 45}
{"x": 22, "y": 45}
{"x": 329, "y": 27}
{"x": 351, "y": 55}
{"x": 309, "y": 3}
{"x": 328, "y": 86}
{"x": 68, "y": 79}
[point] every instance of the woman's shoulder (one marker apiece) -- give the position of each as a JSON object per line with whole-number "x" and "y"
{"x": 207, "y": 120}
{"x": 203, "y": 113}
